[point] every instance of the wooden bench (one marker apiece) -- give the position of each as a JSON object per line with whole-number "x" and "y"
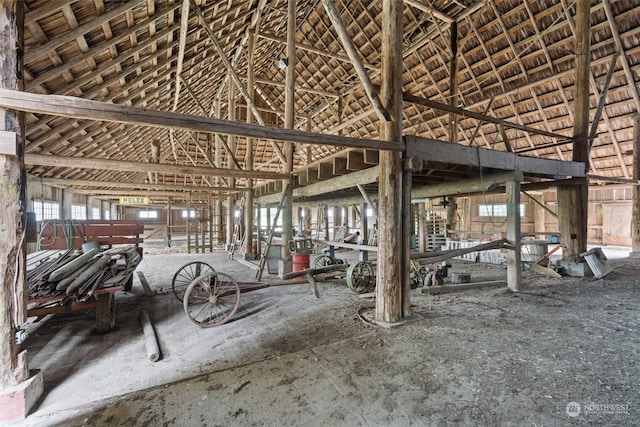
{"x": 67, "y": 234}
{"x": 60, "y": 235}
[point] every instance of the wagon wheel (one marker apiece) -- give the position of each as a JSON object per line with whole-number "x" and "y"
{"x": 323, "y": 261}
{"x": 360, "y": 277}
{"x": 211, "y": 299}
{"x": 186, "y": 274}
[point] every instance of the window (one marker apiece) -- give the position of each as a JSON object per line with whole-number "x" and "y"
{"x": 78, "y": 212}
{"x": 192, "y": 213}
{"x": 149, "y": 214}
{"x": 107, "y": 214}
{"x": 46, "y": 210}
{"x": 95, "y": 213}
{"x": 496, "y": 210}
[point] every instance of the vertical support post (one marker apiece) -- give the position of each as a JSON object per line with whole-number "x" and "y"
{"x": 248, "y": 205}
{"x": 258, "y": 230}
{"x": 289, "y": 118}
{"x": 422, "y": 227}
{"x": 169, "y": 223}
{"x": 18, "y": 392}
{"x": 325, "y": 218}
{"x": 573, "y": 200}
{"x": 231, "y": 142}
{"x": 67, "y": 201}
{"x": 187, "y": 223}
{"x": 392, "y": 250}
{"x": 452, "y": 212}
{"x": 364, "y": 232}
{"x": 514, "y": 256}
{"x": 635, "y": 211}
{"x": 407, "y": 225}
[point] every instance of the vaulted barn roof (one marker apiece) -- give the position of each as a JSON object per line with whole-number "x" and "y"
{"x": 515, "y": 63}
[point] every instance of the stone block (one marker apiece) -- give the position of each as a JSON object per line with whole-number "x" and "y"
{"x": 17, "y": 401}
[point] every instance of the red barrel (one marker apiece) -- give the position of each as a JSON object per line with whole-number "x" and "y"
{"x": 300, "y": 262}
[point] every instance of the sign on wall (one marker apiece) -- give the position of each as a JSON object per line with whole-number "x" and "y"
{"x": 134, "y": 200}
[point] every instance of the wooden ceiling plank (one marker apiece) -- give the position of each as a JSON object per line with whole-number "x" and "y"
{"x": 356, "y": 60}
{"x": 69, "y": 36}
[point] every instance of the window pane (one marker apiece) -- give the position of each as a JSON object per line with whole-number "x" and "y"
{"x": 78, "y": 212}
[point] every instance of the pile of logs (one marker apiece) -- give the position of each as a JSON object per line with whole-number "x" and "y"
{"x": 78, "y": 274}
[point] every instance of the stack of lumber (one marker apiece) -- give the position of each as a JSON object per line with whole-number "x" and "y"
{"x": 79, "y": 274}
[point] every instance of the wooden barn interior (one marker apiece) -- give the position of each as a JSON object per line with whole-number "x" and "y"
{"x": 277, "y": 133}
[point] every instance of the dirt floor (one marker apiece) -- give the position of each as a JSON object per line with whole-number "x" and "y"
{"x": 562, "y": 352}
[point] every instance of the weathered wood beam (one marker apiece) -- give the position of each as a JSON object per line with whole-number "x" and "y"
{"x": 356, "y": 61}
{"x": 539, "y": 203}
{"x": 478, "y": 116}
{"x": 573, "y": 201}
{"x": 70, "y": 183}
{"x": 126, "y": 166}
{"x": 369, "y": 201}
{"x": 184, "y": 27}
{"x": 393, "y": 299}
{"x": 431, "y": 150}
{"x": 67, "y": 106}
{"x": 465, "y": 187}
{"x": 338, "y": 183}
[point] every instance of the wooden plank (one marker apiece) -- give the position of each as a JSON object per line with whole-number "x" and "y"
{"x": 68, "y": 106}
{"x": 431, "y": 150}
{"x": 143, "y": 281}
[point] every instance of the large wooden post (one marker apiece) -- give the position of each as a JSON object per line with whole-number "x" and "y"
{"x": 18, "y": 391}
{"x": 391, "y": 285}
{"x": 514, "y": 269}
{"x": 231, "y": 142}
{"x": 289, "y": 117}
{"x": 248, "y": 205}
{"x": 635, "y": 212}
{"x": 573, "y": 200}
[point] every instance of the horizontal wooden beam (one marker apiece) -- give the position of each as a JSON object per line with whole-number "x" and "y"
{"x": 431, "y": 150}
{"x": 465, "y": 187}
{"x": 126, "y": 166}
{"x": 78, "y": 108}
{"x": 338, "y": 183}
{"x": 69, "y": 183}
{"x": 479, "y": 116}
